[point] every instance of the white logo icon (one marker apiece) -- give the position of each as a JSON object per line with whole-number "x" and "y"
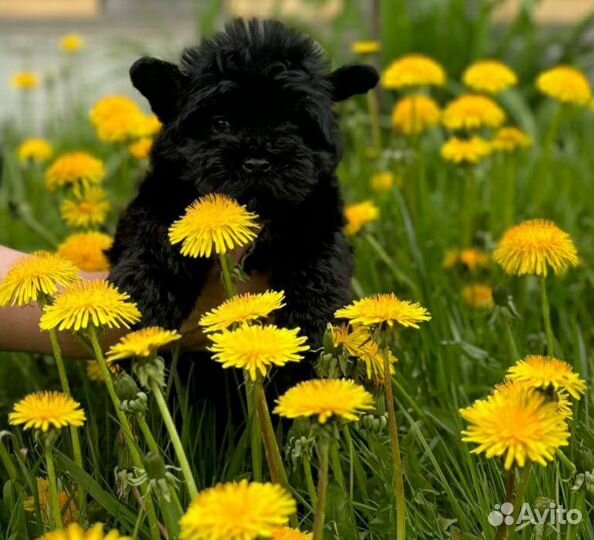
{"x": 501, "y": 514}
{"x": 553, "y": 514}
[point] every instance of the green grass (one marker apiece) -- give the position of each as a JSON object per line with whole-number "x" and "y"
{"x": 450, "y": 362}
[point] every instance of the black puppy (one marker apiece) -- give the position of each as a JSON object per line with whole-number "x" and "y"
{"x": 248, "y": 113}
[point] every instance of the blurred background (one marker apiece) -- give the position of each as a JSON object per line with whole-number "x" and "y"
{"x": 117, "y": 31}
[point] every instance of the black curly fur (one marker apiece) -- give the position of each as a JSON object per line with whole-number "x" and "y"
{"x": 258, "y": 90}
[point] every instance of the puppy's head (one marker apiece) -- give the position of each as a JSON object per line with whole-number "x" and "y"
{"x": 249, "y": 112}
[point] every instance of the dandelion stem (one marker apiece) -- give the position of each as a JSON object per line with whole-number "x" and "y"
{"x": 373, "y": 107}
{"x": 546, "y": 315}
{"x": 125, "y": 425}
{"x": 543, "y": 171}
{"x": 253, "y": 425}
{"x": 273, "y": 455}
{"x": 502, "y": 531}
{"x": 278, "y": 474}
{"x": 398, "y": 476}
{"x": 318, "y": 528}
{"x": 511, "y": 482}
{"x": 148, "y": 434}
{"x": 76, "y": 448}
{"x": 509, "y": 207}
{"x": 511, "y": 340}
{"x": 230, "y": 288}
{"x": 311, "y": 488}
{"x": 566, "y": 461}
{"x": 468, "y": 206}
{"x": 53, "y": 487}
{"x": 112, "y": 394}
{"x": 175, "y": 440}
{"x": 520, "y": 492}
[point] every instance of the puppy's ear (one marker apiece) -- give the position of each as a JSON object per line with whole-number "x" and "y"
{"x": 350, "y": 80}
{"x": 160, "y": 82}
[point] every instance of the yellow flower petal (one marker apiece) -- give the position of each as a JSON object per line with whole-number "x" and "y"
{"x": 43, "y": 410}
{"x": 237, "y": 511}
{"x": 325, "y": 398}
{"x": 213, "y": 223}
{"x": 534, "y": 246}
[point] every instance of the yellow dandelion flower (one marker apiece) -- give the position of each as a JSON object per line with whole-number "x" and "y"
{"x": 94, "y": 372}
{"x": 142, "y": 343}
{"x": 490, "y": 76}
{"x": 141, "y": 149}
{"x": 88, "y": 208}
{"x": 45, "y": 410}
{"x": 237, "y": 511}
{"x": 34, "y": 277}
{"x": 564, "y": 405}
{"x": 351, "y": 340}
{"x": 413, "y": 70}
{"x": 242, "y": 308}
{"x": 384, "y": 308}
{"x": 117, "y": 119}
{"x": 508, "y": 139}
{"x": 286, "y": 533}
{"x": 357, "y": 342}
{"x": 150, "y": 125}
{"x": 25, "y": 80}
{"x": 213, "y": 222}
{"x": 470, "y": 258}
{"x": 544, "y": 371}
{"x": 325, "y": 398}
{"x": 366, "y": 47}
{"x": 90, "y": 303}
{"x": 533, "y": 246}
{"x": 516, "y": 422}
{"x": 358, "y": 215}
{"x": 565, "y": 84}
{"x": 68, "y": 506}
{"x": 257, "y": 348}
{"x": 478, "y": 296}
{"x": 76, "y": 532}
{"x": 71, "y": 43}
{"x": 35, "y": 150}
{"x": 472, "y": 112}
{"x": 414, "y": 114}
{"x": 87, "y": 250}
{"x": 74, "y": 169}
{"x": 383, "y": 181}
{"x": 373, "y": 360}
{"x": 465, "y": 151}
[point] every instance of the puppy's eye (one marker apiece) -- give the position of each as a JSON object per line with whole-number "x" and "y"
{"x": 220, "y": 124}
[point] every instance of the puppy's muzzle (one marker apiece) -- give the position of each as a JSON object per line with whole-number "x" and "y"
{"x": 256, "y": 166}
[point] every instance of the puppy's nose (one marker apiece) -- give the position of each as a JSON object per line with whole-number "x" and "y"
{"x": 256, "y": 165}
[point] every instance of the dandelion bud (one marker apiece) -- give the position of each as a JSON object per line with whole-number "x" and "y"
{"x": 154, "y": 466}
{"x": 126, "y": 387}
{"x": 95, "y": 512}
{"x": 543, "y": 503}
{"x": 501, "y": 296}
{"x": 121, "y": 482}
{"x": 150, "y": 371}
{"x": 136, "y": 406}
{"x": 160, "y": 477}
{"x": 47, "y": 438}
{"x": 329, "y": 341}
